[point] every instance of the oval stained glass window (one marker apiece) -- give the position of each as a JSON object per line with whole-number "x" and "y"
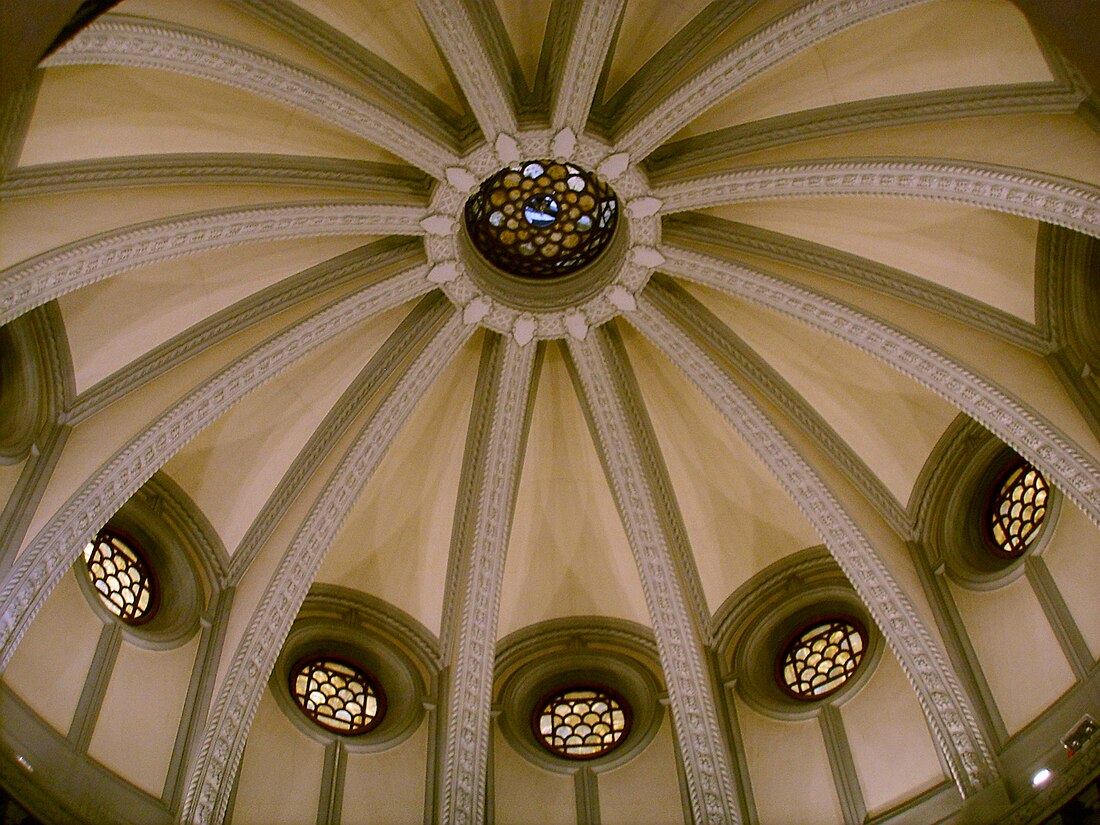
{"x": 1016, "y": 510}
{"x": 581, "y": 722}
{"x": 819, "y": 658}
{"x": 337, "y": 695}
{"x": 122, "y": 577}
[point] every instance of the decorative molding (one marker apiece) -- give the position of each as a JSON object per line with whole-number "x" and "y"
{"x": 679, "y": 158}
{"x": 67, "y": 268}
{"x": 843, "y": 766}
{"x": 365, "y": 263}
{"x": 96, "y": 680}
{"x": 1064, "y": 462}
{"x": 132, "y": 41}
{"x": 589, "y": 44}
{"x": 478, "y": 75}
{"x": 15, "y": 117}
{"x": 215, "y": 770}
{"x": 59, "y": 541}
{"x": 945, "y": 706}
{"x": 369, "y": 178}
{"x": 702, "y": 744}
{"x": 695, "y": 227}
{"x": 676, "y": 303}
{"x": 1020, "y": 192}
{"x": 420, "y": 323}
{"x": 795, "y": 32}
{"x": 509, "y": 377}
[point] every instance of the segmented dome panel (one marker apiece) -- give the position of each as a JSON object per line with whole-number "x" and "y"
{"x": 818, "y": 659}
{"x": 122, "y": 577}
{"x": 1017, "y": 509}
{"x": 582, "y": 722}
{"x": 541, "y": 219}
{"x": 336, "y": 694}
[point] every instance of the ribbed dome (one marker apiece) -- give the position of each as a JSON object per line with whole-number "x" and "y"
{"x": 464, "y": 356}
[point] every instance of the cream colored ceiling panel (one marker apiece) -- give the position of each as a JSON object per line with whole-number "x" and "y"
{"x": 1058, "y": 144}
{"x": 50, "y": 666}
{"x": 939, "y": 45}
{"x": 865, "y": 401}
{"x": 396, "y": 542}
{"x": 525, "y": 22}
{"x": 519, "y": 787}
{"x": 792, "y": 782}
{"x": 738, "y": 519}
{"x": 77, "y": 116}
{"x": 185, "y": 291}
{"x": 892, "y": 748}
{"x": 280, "y": 774}
{"x": 1074, "y": 564}
{"x": 387, "y": 786}
{"x": 987, "y": 255}
{"x": 568, "y": 555}
{"x": 395, "y": 31}
{"x": 646, "y": 789}
{"x": 135, "y": 733}
{"x": 232, "y": 467}
{"x": 1016, "y": 648}
{"x": 646, "y": 26}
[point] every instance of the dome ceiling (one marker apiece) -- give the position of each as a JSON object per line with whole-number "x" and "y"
{"x": 271, "y": 247}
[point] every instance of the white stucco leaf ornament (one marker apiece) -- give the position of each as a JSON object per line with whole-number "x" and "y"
{"x": 647, "y": 256}
{"x": 622, "y": 298}
{"x": 644, "y": 207}
{"x": 577, "y": 325}
{"x": 475, "y": 311}
{"x": 614, "y": 165}
{"x": 565, "y": 143}
{"x": 443, "y": 272}
{"x": 461, "y": 178}
{"x": 437, "y": 225}
{"x": 507, "y": 148}
{"x": 523, "y": 330}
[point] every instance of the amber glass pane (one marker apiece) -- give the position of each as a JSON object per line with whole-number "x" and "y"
{"x": 820, "y": 658}
{"x": 121, "y": 576}
{"x": 582, "y": 722}
{"x": 1017, "y": 510}
{"x": 541, "y": 219}
{"x": 337, "y": 695}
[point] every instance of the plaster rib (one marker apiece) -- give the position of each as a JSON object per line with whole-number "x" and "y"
{"x": 510, "y": 370}
{"x": 702, "y": 745}
{"x": 794, "y": 32}
{"x": 61, "y": 539}
{"x": 945, "y": 705}
{"x": 1064, "y": 462}
{"x": 1033, "y": 195}
{"x": 593, "y": 30}
{"x": 480, "y": 79}
{"x": 67, "y": 268}
{"x": 118, "y": 40}
{"x": 214, "y": 772}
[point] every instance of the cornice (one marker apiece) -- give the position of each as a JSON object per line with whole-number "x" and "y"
{"x": 697, "y": 228}
{"x": 1063, "y": 461}
{"x": 1028, "y": 194}
{"x": 52, "y": 274}
{"x": 942, "y": 699}
{"x": 368, "y": 178}
{"x": 679, "y": 158}
{"x": 794, "y": 32}
{"x": 364, "y": 263}
{"x": 130, "y": 41}
{"x": 466, "y": 750}
{"x": 702, "y": 745}
{"x": 174, "y": 505}
{"x": 59, "y": 541}
{"x": 479, "y": 76}
{"x": 676, "y": 303}
{"x": 569, "y": 631}
{"x": 214, "y": 773}
{"x": 589, "y": 44}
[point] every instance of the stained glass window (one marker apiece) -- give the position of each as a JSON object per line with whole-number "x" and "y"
{"x": 122, "y": 577}
{"x": 336, "y": 694}
{"x": 818, "y": 659}
{"x": 542, "y": 219}
{"x": 582, "y": 722}
{"x": 1016, "y": 510}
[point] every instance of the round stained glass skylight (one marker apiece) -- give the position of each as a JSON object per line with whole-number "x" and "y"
{"x": 821, "y": 657}
{"x": 541, "y": 219}
{"x": 122, "y": 577}
{"x": 1017, "y": 510}
{"x": 581, "y": 722}
{"x": 337, "y": 695}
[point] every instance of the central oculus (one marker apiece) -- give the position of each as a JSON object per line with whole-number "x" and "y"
{"x": 541, "y": 219}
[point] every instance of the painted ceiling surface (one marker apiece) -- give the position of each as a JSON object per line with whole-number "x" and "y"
{"x": 845, "y": 281}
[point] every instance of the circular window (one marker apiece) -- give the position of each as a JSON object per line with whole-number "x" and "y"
{"x": 819, "y": 658}
{"x": 541, "y": 219}
{"x": 337, "y": 695}
{"x": 1016, "y": 510}
{"x": 581, "y": 722}
{"x": 122, "y": 577}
